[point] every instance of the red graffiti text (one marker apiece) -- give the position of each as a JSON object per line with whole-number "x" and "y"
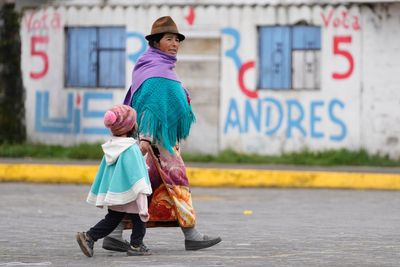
{"x": 339, "y": 51}
{"x": 341, "y": 20}
{"x": 35, "y": 21}
{"x": 36, "y": 41}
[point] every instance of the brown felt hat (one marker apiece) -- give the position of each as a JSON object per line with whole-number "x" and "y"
{"x": 164, "y": 25}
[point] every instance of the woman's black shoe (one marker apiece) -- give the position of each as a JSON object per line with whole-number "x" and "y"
{"x": 113, "y": 244}
{"x": 200, "y": 244}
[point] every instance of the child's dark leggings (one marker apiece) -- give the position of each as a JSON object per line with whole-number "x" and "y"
{"x": 104, "y": 227}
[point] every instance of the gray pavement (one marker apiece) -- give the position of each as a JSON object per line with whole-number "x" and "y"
{"x": 287, "y": 227}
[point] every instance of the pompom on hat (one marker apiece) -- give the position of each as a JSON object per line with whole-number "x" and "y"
{"x": 120, "y": 119}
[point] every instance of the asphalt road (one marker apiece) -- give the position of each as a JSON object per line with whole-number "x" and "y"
{"x": 259, "y": 227}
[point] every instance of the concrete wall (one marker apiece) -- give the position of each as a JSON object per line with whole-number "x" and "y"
{"x": 326, "y": 118}
{"x": 380, "y": 80}
{"x": 355, "y": 107}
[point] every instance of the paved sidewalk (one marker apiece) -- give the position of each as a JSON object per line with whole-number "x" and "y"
{"x": 259, "y": 227}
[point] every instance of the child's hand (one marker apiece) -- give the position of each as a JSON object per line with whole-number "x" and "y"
{"x": 144, "y": 146}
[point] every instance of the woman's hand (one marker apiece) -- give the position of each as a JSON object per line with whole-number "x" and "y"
{"x": 145, "y": 146}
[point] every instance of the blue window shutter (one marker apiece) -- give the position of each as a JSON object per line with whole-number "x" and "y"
{"x": 306, "y": 44}
{"x": 112, "y": 37}
{"x": 72, "y": 57}
{"x": 275, "y": 58}
{"x": 306, "y": 37}
{"x": 112, "y": 56}
{"x": 81, "y": 57}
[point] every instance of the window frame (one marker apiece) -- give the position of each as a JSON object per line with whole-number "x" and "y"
{"x": 98, "y": 50}
{"x": 292, "y": 50}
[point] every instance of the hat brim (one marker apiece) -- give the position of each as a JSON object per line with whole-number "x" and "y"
{"x": 150, "y": 36}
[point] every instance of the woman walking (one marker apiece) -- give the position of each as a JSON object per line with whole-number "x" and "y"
{"x": 164, "y": 118}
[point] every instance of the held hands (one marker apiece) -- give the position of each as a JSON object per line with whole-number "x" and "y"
{"x": 145, "y": 146}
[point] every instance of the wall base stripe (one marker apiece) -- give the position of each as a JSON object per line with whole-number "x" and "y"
{"x": 207, "y": 177}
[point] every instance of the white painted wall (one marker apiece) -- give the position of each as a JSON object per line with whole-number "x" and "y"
{"x": 365, "y": 105}
{"x": 380, "y": 101}
{"x": 346, "y": 91}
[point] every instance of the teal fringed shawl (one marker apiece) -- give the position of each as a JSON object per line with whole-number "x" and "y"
{"x": 163, "y": 111}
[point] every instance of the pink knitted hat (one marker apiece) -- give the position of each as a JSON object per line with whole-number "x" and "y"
{"x": 120, "y": 119}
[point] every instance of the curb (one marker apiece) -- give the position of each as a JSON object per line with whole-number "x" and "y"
{"x": 212, "y": 177}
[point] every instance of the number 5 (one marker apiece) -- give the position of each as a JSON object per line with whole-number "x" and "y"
{"x": 43, "y": 55}
{"x": 337, "y": 51}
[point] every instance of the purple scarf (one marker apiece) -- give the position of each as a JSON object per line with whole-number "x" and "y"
{"x": 153, "y": 63}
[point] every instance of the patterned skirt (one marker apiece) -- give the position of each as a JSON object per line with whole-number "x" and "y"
{"x": 171, "y": 201}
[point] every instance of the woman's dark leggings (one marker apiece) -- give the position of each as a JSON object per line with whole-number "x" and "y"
{"x": 104, "y": 227}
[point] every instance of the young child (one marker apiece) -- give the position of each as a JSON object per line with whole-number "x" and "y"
{"x": 121, "y": 184}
